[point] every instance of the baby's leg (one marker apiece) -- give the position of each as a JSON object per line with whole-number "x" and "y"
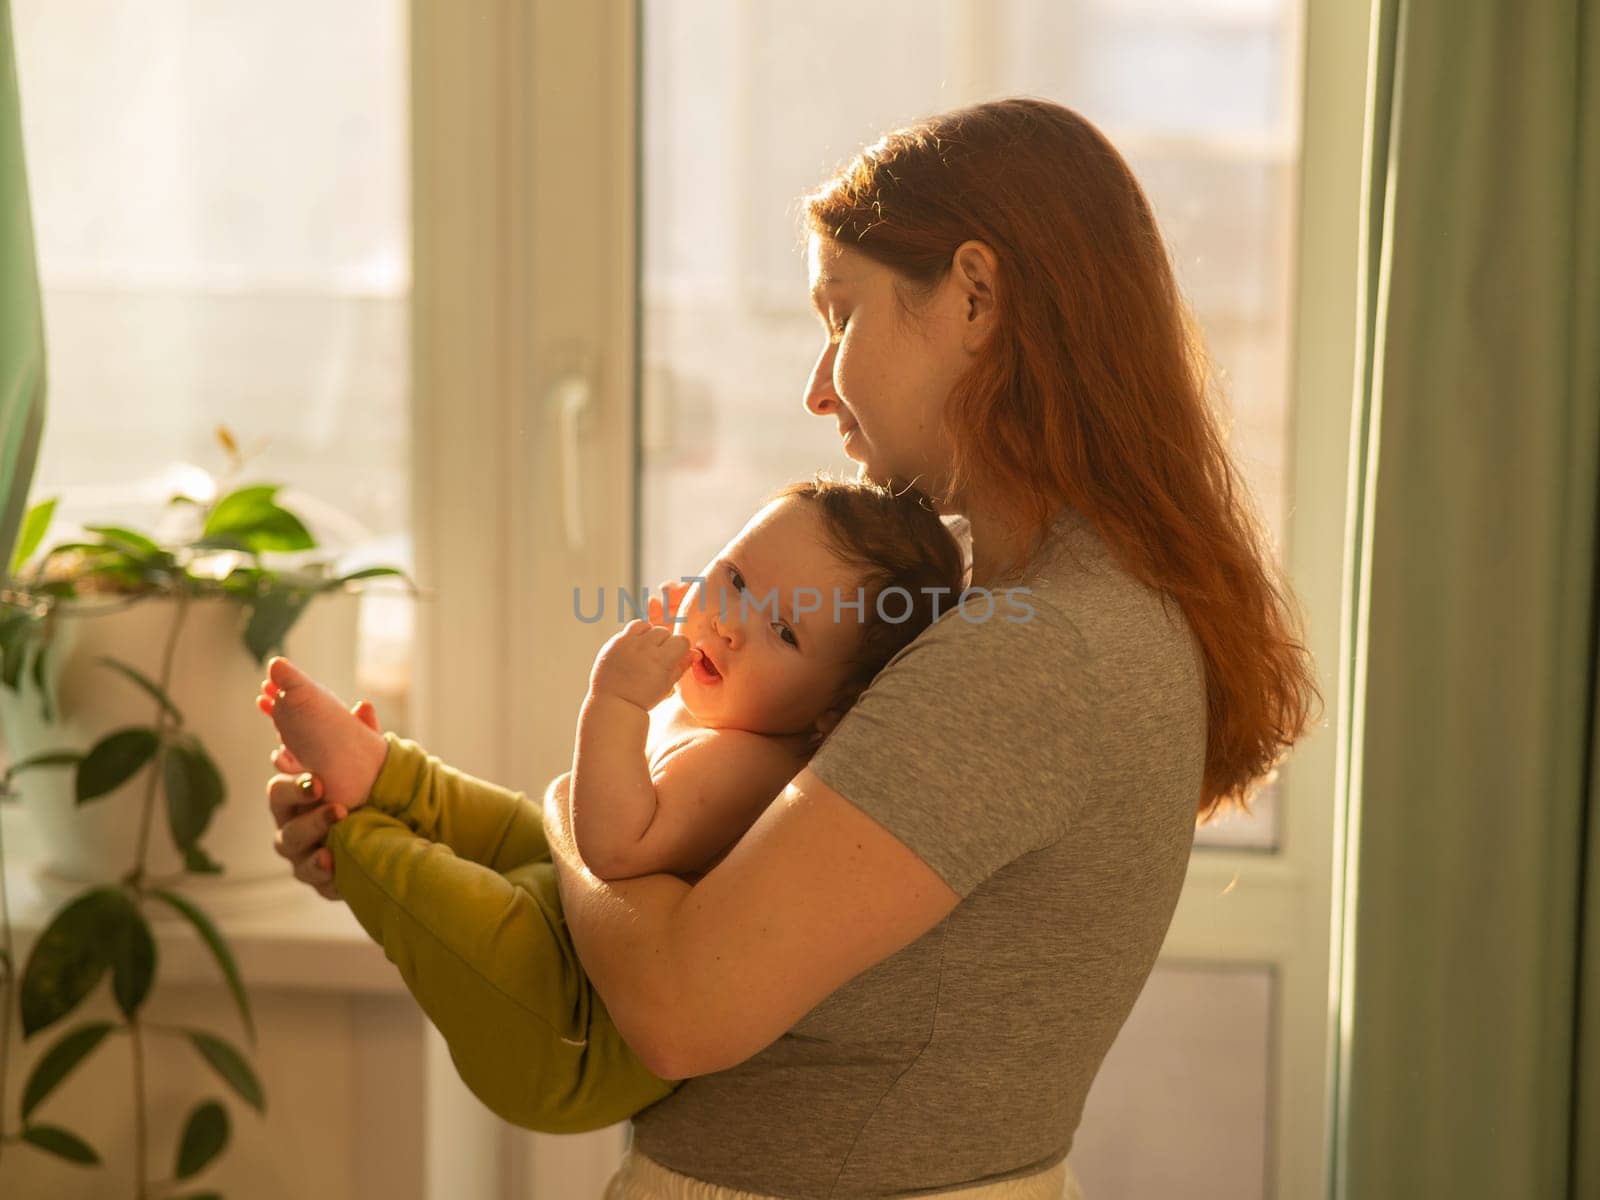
{"x": 489, "y": 959}
{"x": 325, "y": 737}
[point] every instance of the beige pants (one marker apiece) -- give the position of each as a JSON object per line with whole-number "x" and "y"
{"x": 643, "y": 1178}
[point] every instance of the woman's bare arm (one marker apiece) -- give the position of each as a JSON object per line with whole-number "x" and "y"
{"x": 700, "y": 977}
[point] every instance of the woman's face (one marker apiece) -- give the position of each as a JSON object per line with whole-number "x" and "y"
{"x": 884, "y": 373}
{"x": 765, "y": 620}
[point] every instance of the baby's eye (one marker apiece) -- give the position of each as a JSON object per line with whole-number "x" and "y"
{"x": 738, "y": 579}
{"x": 786, "y": 634}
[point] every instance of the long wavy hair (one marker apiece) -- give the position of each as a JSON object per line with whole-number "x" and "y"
{"x": 1095, "y": 390}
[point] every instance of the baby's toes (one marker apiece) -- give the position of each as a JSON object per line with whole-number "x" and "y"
{"x": 284, "y": 674}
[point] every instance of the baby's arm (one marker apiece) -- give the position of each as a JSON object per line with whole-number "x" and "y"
{"x": 613, "y": 796}
{"x": 699, "y": 801}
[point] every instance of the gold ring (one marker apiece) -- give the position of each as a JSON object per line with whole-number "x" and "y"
{"x": 305, "y": 781}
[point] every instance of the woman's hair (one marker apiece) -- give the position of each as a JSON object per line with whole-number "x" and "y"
{"x": 887, "y": 539}
{"x": 1094, "y": 389}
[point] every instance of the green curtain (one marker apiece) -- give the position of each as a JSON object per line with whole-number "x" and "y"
{"x": 22, "y": 372}
{"x": 1471, "y": 933}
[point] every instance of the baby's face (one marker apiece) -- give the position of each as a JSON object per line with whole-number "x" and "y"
{"x": 778, "y": 660}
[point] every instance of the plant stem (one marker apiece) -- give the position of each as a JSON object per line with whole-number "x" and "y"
{"x": 163, "y": 721}
{"x": 138, "y": 1105}
{"x": 136, "y": 879}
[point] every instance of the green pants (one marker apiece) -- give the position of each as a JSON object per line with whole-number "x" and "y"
{"x": 452, "y": 877}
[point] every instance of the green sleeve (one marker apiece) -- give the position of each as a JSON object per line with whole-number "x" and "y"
{"x": 480, "y": 821}
{"x": 451, "y": 876}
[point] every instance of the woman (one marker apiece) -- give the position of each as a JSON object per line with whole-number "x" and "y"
{"x": 904, "y": 977}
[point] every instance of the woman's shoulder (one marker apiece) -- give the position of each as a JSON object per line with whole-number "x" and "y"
{"x": 1077, "y": 620}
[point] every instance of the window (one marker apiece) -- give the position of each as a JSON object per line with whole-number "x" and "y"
{"x": 224, "y": 241}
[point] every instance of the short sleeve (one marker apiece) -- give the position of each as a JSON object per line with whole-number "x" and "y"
{"x": 974, "y": 744}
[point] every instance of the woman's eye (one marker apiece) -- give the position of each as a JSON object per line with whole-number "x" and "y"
{"x": 786, "y": 634}
{"x": 838, "y": 330}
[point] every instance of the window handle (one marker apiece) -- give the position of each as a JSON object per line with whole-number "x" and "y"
{"x": 570, "y": 398}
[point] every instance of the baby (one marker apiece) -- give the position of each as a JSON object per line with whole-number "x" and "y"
{"x": 688, "y": 731}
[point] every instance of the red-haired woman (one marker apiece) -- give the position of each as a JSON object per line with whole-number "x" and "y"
{"x": 903, "y": 979}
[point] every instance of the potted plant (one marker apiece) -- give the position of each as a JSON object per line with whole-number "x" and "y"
{"x": 127, "y": 661}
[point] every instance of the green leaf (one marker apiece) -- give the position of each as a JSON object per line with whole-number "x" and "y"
{"x": 374, "y": 573}
{"x": 115, "y": 759}
{"x": 230, "y": 1064}
{"x": 131, "y": 543}
{"x": 68, "y": 959}
{"x": 198, "y": 862}
{"x": 272, "y": 615}
{"x": 194, "y": 789}
{"x": 52, "y": 758}
{"x": 133, "y": 958}
{"x": 204, "y": 1136}
{"x": 149, "y": 685}
{"x": 221, "y": 541}
{"x": 41, "y": 682}
{"x": 16, "y": 629}
{"x": 219, "y": 950}
{"x": 58, "y": 1061}
{"x": 250, "y": 515}
{"x": 34, "y": 524}
{"x": 60, "y": 1142}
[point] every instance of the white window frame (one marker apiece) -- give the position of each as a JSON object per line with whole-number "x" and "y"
{"x": 1281, "y": 910}
{"x": 523, "y": 279}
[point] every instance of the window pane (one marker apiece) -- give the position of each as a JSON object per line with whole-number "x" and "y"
{"x": 220, "y": 204}
{"x": 1179, "y": 1107}
{"x": 1196, "y": 93}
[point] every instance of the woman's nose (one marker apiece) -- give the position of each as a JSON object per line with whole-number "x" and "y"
{"x": 820, "y": 397}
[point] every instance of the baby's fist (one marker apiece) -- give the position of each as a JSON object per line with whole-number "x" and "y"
{"x": 640, "y": 664}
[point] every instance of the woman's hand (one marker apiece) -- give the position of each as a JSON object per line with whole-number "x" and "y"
{"x": 303, "y": 820}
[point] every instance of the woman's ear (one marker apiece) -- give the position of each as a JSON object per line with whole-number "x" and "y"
{"x": 975, "y": 272}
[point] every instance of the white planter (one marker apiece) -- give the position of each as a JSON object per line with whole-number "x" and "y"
{"x": 214, "y": 684}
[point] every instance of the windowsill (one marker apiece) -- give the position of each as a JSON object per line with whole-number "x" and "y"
{"x": 282, "y": 934}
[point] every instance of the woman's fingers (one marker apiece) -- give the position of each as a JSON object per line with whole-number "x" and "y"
{"x": 367, "y": 714}
{"x": 303, "y": 823}
{"x": 302, "y": 835}
{"x": 287, "y": 801}
{"x": 311, "y": 871}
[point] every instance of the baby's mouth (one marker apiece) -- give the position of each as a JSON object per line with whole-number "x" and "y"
{"x": 704, "y": 669}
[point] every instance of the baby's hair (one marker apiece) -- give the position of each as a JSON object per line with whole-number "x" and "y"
{"x": 891, "y": 539}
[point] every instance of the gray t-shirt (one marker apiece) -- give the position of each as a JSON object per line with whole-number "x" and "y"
{"x": 1049, "y": 770}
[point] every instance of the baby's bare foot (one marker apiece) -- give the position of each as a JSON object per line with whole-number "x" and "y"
{"x": 328, "y": 740}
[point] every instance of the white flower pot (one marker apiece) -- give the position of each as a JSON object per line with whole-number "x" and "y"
{"x": 214, "y": 684}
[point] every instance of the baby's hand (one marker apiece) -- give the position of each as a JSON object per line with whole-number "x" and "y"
{"x": 640, "y": 664}
{"x": 659, "y": 613}
{"x": 318, "y": 732}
